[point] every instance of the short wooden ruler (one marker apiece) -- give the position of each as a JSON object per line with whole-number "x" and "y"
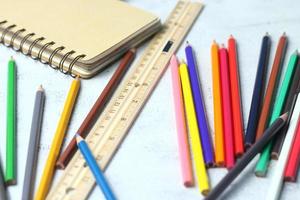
{"x": 112, "y": 126}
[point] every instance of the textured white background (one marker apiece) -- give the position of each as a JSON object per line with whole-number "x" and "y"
{"x": 147, "y": 165}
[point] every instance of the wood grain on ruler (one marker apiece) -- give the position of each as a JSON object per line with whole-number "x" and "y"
{"x": 112, "y": 126}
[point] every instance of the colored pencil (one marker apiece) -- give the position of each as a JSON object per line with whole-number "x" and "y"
{"x": 227, "y": 111}
{"x": 199, "y": 107}
{"x": 10, "y": 175}
{"x": 277, "y": 178}
{"x": 262, "y": 165}
{"x": 92, "y": 163}
{"x": 292, "y": 166}
{"x": 272, "y": 86}
{"x": 97, "y": 108}
{"x": 201, "y": 174}
{"x": 287, "y": 107}
{"x": 32, "y": 154}
{"x": 258, "y": 92}
{"x": 218, "y": 120}
{"x": 247, "y": 157}
{"x": 59, "y": 135}
{"x": 236, "y": 100}
{"x": 182, "y": 135}
{"x": 3, "y": 194}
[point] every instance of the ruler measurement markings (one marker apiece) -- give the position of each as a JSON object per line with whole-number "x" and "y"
{"x": 134, "y": 108}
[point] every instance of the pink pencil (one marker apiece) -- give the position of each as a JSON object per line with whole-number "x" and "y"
{"x": 226, "y": 106}
{"x": 183, "y": 144}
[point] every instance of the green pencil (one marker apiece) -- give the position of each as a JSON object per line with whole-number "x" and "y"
{"x": 10, "y": 175}
{"x": 262, "y": 165}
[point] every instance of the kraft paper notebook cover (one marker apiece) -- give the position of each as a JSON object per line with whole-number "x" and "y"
{"x": 78, "y": 37}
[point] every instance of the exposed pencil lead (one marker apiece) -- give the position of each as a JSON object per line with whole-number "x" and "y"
{"x": 40, "y": 88}
{"x": 284, "y": 116}
{"x": 133, "y": 50}
{"x": 267, "y": 34}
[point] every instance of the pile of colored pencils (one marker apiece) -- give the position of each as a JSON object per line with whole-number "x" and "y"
{"x": 275, "y": 108}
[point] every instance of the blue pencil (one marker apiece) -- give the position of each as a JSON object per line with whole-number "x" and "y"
{"x": 92, "y": 163}
{"x": 199, "y": 107}
{"x": 258, "y": 92}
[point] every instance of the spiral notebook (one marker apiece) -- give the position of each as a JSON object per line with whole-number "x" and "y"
{"x": 77, "y": 37}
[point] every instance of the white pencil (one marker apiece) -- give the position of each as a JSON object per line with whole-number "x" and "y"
{"x": 277, "y": 179}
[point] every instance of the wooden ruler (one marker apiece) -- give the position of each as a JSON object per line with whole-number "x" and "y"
{"x": 112, "y": 126}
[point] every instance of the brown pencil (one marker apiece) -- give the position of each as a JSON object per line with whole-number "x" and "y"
{"x": 272, "y": 86}
{"x": 97, "y": 108}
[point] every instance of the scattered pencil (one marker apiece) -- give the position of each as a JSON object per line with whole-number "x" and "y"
{"x": 199, "y": 107}
{"x": 278, "y": 176}
{"x": 3, "y": 194}
{"x": 92, "y": 163}
{"x": 201, "y": 174}
{"x": 258, "y": 92}
{"x": 262, "y": 165}
{"x": 97, "y": 108}
{"x": 227, "y": 111}
{"x": 272, "y": 86}
{"x": 247, "y": 157}
{"x": 55, "y": 148}
{"x": 218, "y": 120}
{"x": 236, "y": 101}
{"x": 293, "y": 92}
{"x": 182, "y": 132}
{"x": 32, "y": 154}
{"x": 292, "y": 166}
{"x": 11, "y": 165}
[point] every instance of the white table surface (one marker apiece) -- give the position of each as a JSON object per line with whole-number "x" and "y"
{"x": 147, "y": 166}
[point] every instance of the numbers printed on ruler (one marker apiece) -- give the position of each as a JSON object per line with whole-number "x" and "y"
{"x": 120, "y": 113}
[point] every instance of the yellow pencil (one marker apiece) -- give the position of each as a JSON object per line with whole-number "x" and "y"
{"x": 194, "y": 131}
{"x": 57, "y": 141}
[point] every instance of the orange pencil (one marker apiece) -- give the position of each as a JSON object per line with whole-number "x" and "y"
{"x": 218, "y": 121}
{"x": 237, "y": 115}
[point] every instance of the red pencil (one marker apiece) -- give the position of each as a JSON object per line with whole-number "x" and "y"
{"x": 237, "y": 114}
{"x": 227, "y": 111}
{"x": 292, "y": 166}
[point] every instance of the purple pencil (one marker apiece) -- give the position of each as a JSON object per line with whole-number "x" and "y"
{"x": 199, "y": 107}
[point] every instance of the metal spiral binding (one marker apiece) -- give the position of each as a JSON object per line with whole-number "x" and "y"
{"x": 42, "y": 49}
{"x": 14, "y": 37}
{"x": 23, "y": 42}
{"x": 5, "y": 32}
{"x": 73, "y": 63}
{"x": 33, "y": 44}
{"x": 53, "y": 54}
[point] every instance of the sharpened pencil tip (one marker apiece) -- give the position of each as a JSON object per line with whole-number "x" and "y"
{"x": 78, "y": 138}
{"x": 182, "y": 61}
{"x": 267, "y": 34}
{"x": 133, "y": 50}
{"x": 284, "y": 34}
{"x": 223, "y": 45}
{"x": 12, "y": 58}
{"x": 284, "y": 116}
{"x": 40, "y": 88}
{"x": 296, "y": 52}
{"x": 231, "y": 36}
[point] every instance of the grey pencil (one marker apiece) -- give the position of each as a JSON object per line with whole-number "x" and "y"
{"x": 3, "y": 195}
{"x": 32, "y": 154}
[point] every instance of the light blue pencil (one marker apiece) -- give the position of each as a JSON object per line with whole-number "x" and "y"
{"x": 92, "y": 163}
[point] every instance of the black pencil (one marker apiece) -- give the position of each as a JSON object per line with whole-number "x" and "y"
{"x": 32, "y": 155}
{"x": 294, "y": 90}
{"x": 3, "y": 195}
{"x": 248, "y": 156}
{"x": 258, "y": 92}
